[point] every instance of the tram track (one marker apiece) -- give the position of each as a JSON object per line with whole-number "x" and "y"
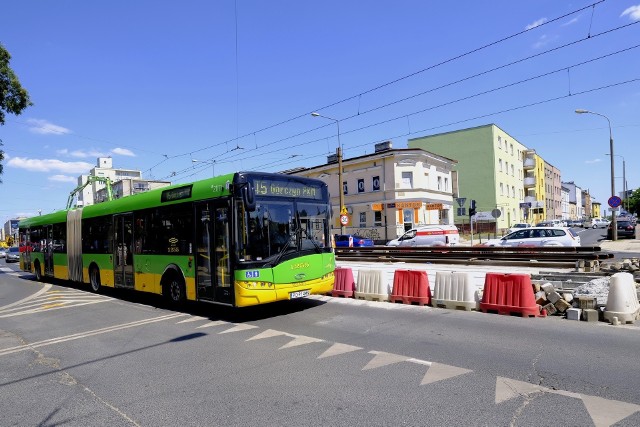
{"x": 556, "y": 256}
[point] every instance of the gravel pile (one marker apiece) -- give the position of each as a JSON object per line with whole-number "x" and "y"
{"x": 598, "y": 288}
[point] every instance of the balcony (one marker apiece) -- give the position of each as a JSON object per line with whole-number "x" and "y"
{"x": 530, "y": 199}
{"x": 529, "y": 182}
{"x": 529, "y": 163}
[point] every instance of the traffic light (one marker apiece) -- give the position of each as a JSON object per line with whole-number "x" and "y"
{"x": 472, "y": 208}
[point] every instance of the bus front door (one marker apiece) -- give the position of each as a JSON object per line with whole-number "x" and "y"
{"x": 213, "y": 261}
{"x": 123, "y": 257}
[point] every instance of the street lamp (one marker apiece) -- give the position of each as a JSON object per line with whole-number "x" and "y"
{"x": 614, "y": 220}
{"x": 624, "y": 180}
{"x": 213, "y": 164}
{"x": 339, "y": 155}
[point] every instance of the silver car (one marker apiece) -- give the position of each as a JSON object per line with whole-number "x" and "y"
{"x": 13, "y": 254}
{"x": 538, "y": 236}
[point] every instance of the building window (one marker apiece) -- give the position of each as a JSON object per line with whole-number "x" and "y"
{"x": 376, "y": 183}
{"x": 513, "y": 191}
{"x": 501, "y": 189}
{"x": 446, "y": 184}
{"x": 407, "y": 179}
{"x": 377, "y": 218}
{"x": 499, "y": 143}
{"x": 511, "y": 170}
{"x": 511, "y": 149}
{"x": 439, "y": 183}
{"x": 363, "y": 219}
{"x": 361, "y": 185}
{"x": 345, "y": 190}
{"x": 500, "y": 164}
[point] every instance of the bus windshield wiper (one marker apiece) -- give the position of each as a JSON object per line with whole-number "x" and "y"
{"x": 285, "y": 248}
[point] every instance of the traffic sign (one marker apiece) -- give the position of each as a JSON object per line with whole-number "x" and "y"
{"x": 461, "y": 201}
{"x": 496, "y": 213}
{"x": 344, "y": 219}
{"x": 615, "y": 201}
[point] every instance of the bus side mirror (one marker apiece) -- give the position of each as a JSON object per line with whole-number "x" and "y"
{"x": 249, "y": 197}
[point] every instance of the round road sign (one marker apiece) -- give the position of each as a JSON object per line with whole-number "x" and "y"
{"x": 615, "y": 201}
{"x": 344, "y": 219}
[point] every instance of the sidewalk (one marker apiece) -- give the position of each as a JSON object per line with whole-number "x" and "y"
{"x": 624, "y": 245}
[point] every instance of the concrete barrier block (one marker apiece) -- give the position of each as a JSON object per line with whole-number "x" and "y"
{"x": 553, "y": 297}
{"x": 622, "y": 302}
{"x": 550, "y": 308}
{"x": 562, "y": 306}
{"x": 547, "y": 288}
{"x": 586, "y": 303}
{"x": 574, "y": 314}
{"x": 590, "y": 315}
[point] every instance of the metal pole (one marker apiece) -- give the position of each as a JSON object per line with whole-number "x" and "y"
{"x": 614, "y": 219}
{"x": 339, "y": 155}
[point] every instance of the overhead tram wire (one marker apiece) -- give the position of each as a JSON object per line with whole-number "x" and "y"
{"x": 494, "y": 113}
{"x": 450, "y": 84}
{"x": 441, "y": 63}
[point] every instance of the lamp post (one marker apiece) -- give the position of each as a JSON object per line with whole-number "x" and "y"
{"x": 339, "y": 155}
{"x": 213, "y": 164}
{"x": 614, "y": 220}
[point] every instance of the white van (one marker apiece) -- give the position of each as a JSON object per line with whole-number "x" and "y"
{"x": 428, "y": 235}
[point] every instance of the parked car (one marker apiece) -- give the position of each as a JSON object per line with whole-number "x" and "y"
{"x": 538, "y": 236}
{"x": 518, "y": 226}
{"x": 3, "y": 252}
{"x": 428, "y": 235}
{"x": 13, "y": 254}
{"x": 574, "y": 223}
{"x": 625, "y": 229}
{"x": 595, "y": 223}
{"x": 351, "y": 241}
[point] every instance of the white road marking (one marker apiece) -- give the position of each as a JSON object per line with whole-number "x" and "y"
{"x": 86, "y": 334}
{"x": 337, "y": 349}
{"x": 603, "y": 412}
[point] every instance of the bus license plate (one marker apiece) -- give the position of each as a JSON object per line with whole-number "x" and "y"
{"x": 298, "y": 294}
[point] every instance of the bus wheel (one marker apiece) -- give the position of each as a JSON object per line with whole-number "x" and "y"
{"x": 174, "y": 288}
{"x": 94, "y": 279}
{"x": 37, "y": 271}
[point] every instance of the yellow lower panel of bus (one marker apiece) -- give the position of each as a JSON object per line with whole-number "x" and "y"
{"x": 106, "y": 277}
{"x": 252, "y": 293}
{"x": 61, "y": 272}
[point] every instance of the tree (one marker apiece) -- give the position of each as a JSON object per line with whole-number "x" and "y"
{"x": 634, "y": 202}
{"x": 13, "y": 97}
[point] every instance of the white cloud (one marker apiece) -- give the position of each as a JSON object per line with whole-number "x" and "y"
{"x": 123, "y": 152}
{"x": 570, "y": 22}
{"x": 43, "y": 127}
{"x": 49, "y": 165}
{"x": 536, "y": 23}
{"x": 84, "y": 154}
{"x": 590, "y": 162}
{"x": 633, "y": 12}
{"x": 63, "y": 178}
{"x": 542, "y": 41}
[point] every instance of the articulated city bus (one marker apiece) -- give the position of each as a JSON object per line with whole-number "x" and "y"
{"x": 240, "y": 239}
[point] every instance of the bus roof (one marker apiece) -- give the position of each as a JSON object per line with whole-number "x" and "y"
{"x": 198, "y": 190}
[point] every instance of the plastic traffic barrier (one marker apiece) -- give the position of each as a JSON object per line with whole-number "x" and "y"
{"x": 622, "y": 302}
{"x": 455, "y": 290}
{"x": 509, "y": 294}
{"x": 371, "y": 286}
{"x": 344, "y": 285}
{"x": 411, "y": 287}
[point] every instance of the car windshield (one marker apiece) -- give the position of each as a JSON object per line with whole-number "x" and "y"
{"x": 16, "y": 250}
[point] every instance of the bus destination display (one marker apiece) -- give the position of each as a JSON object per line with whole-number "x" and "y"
{"x": 268, "y": 187}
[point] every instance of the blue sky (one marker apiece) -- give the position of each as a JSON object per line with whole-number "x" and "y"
{"x": 158, "y": 84}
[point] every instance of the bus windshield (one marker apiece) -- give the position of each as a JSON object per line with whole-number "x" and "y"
{"x": 279, "y": 227}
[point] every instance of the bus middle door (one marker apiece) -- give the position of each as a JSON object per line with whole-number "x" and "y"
{"x": 123, "y": 259}
{"x": 212, "y": 243}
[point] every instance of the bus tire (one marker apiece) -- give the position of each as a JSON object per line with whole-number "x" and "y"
{"x": 94, "y": 279}
{"x": 173, "y": 287}
{"x": 37, "y": 270}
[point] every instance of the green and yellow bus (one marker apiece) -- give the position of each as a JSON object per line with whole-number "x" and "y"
{"x": 239, "y": 239}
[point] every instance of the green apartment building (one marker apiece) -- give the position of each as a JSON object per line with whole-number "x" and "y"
{"x": 490, "y": 171}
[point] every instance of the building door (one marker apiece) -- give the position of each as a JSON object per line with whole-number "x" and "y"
{"x": 213, "y": 257}
{"x": 123, "y": 257}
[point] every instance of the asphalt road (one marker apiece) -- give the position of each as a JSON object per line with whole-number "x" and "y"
{"x": 69, "y": 357}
